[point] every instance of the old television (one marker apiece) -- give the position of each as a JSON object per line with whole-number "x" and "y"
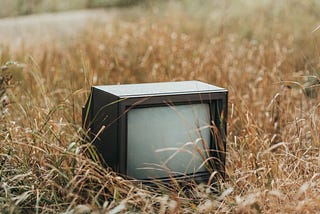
{"x": 159, "y": 131}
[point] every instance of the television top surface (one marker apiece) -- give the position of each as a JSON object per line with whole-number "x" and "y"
{"x": 161, "y": 88}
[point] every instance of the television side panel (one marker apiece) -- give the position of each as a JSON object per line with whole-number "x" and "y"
{"x": 104, "y": 126}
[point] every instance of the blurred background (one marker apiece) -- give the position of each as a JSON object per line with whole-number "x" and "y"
{"x": 26, "y": 7}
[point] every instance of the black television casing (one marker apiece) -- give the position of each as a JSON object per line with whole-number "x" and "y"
{"x": 107, "y": 107}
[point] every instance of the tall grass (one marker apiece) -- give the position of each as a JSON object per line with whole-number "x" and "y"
{"x": 273, "y": 125}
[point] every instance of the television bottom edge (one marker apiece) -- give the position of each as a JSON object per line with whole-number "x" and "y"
{"x": 198, "y": 178}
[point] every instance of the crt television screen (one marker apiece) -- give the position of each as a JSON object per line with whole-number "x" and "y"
{"x": 167, "y": 141}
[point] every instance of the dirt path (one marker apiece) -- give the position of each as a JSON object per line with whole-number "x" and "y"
{"x": 35, "y": 29}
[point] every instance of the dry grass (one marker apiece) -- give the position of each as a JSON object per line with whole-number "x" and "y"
{"x": 273, "y": 160}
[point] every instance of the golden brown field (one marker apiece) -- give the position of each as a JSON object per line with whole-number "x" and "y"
{"x": 266, "y": 54}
